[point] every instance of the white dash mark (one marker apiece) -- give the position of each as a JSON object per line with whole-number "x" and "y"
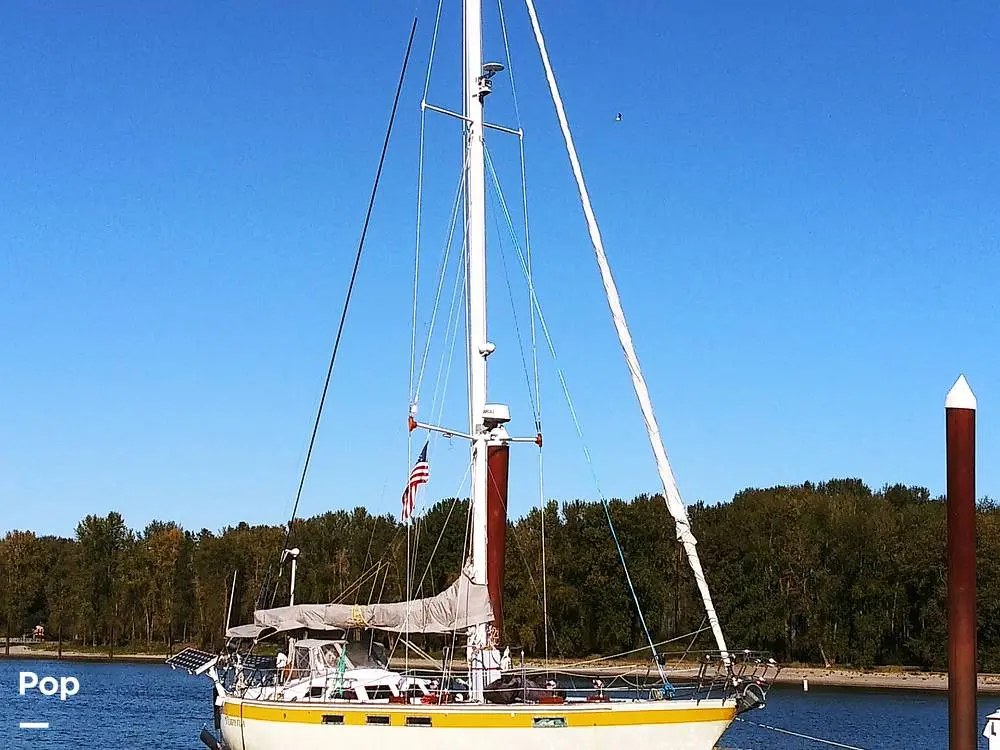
{"x": 34, "y": 725}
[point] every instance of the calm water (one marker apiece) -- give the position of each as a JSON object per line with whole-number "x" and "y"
{"x": 150, "y": 706}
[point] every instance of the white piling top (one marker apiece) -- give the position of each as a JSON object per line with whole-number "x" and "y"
{"x": 960, "y": 396}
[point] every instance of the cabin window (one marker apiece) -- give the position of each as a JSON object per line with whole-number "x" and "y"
{"x": 418, "y": 721}
{"x": 378, "y": 692}
{"x": 548, "y": 721}
{"x": 370, "y": 655}
{"x": 379, "y": 720}
{"x": 300, "y": 661}
{"x": 327, "y": 656}
{"x": 333, "y": 718}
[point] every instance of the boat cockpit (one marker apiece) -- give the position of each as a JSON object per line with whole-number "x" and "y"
{"x": 321, "y": 669}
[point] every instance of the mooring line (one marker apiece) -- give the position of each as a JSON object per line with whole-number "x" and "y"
{"x": 800, "y": 735}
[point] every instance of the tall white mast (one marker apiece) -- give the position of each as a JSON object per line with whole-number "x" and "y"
{"x": 475, "y": 87}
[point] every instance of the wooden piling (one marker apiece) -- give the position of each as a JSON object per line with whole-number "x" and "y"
{"x": 960, "y": 436}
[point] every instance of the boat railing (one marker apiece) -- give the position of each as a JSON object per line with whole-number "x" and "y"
{"x": 746, "y": 678}
{"x": 744, "y": 675}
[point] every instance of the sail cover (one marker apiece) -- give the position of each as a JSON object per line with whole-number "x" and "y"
{"x": 460, "y": 606}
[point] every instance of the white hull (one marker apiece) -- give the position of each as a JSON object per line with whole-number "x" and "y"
{"x": 659, "y": 725}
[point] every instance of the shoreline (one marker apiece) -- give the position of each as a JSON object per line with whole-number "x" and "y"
{"x": 68, "y": 654}
{"x": 884, "y": 678}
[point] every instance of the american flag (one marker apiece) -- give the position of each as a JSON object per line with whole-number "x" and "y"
{"x": 419, "y": 475}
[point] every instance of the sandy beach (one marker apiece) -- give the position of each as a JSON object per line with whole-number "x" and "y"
{"x": 883, "y": 678}
{"x": 68, "y": 654}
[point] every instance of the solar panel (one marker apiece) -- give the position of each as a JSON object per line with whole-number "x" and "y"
{"x": 254, "y": 661}
{"x": 193, "y": 660}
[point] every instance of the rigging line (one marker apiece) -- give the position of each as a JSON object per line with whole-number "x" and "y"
{"x": 631, "y": 586}
{"x": 537, "y": 402}
{"x": 442, "y": 390}
{"x": 416, "y": 546}
{"x": 458, "y": 493}
{"x": 517, "y": 327}
{"x": 671, "y": 493}
{"x": 579, "y": 429}
{"x": 510, "y": 68}
{"x": 385, "y": 578}
{"x": 545, "y": 591}
{"x": 411, "y": 562}
{"x": 416, "y": 251}
{"x": 820, "y": 740}
{"x": 356, "y": 583}
{"x": 694, "y": 637}
{"x": 573, "y": 665}
{"x": 371, "y": 594}
{"x": 371, "y": 538}
{"x": 531, "y": 307}
{"x": 416, "y": 267}
{"x": 406, "y": 622}
{"x": 466, "y": 554}
{"x": 454, "y": 340}
{"x": 524, "y": 191}
{"x": 447, "y": 519}
{"x": 350, "y": 287}
{"x": 538, "y": 390}
{"x": 531, "y": 579}
{"x": 451, "y": 331}
{"x": 452, "y": 223}
{"x": 420, "y": 188}
{"x": 430, "y": 59}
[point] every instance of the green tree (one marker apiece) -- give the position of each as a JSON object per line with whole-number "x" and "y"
{"x": 21, "y": 580}
{"x": 104, "y": 543}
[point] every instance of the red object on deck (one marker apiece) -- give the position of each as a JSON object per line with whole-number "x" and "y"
{"x": 497, "y": 462}
{"x": 960, "y": 431}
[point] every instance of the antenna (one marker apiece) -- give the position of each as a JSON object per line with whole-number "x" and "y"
{"x": 490, "y": 69}
{"x": 232, "y": 596}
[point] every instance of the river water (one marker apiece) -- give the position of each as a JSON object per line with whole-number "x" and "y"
{"x": 151, "y": 706}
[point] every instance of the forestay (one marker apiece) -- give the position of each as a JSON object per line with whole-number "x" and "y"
{"x": 670, "y": 492}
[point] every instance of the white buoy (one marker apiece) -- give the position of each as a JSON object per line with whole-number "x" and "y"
{"x": 805, "y": 685}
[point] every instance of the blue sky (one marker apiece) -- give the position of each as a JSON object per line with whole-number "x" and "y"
{"x": 800, "y": 205}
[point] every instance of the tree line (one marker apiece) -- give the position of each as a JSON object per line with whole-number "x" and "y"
{"x": 830, "y": 573}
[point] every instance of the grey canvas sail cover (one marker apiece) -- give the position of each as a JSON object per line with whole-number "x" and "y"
{"x": 460, "y": 606}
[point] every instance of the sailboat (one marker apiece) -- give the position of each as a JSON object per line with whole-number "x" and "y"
{"x": 326, "y": 690}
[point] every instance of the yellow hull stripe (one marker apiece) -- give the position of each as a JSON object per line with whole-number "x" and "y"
{"x": 520, "y": 716}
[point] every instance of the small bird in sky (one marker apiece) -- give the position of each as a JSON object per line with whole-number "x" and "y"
{"x": 618, "y": 117}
